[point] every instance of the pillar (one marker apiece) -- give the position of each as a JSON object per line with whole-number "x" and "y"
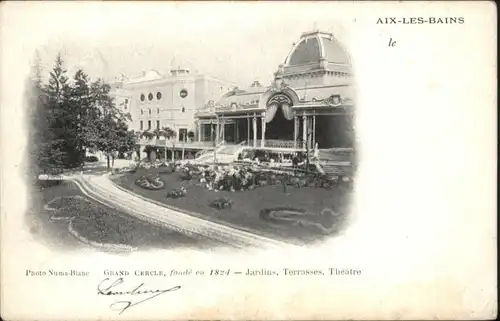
{"x": 263, "y": 131}
{"x": 200, "y": 131}
{"x": 217, "y": 132}
{"x": 314, "y": 131}
{"x": 295, "y": 130}
{"x": 304, "y": 131}
{"x": 223, "y": 126}
{"x": 309, "y": 131}
{"x": 254, "y": 131}
{"x": 248, "y": 130}
{"x": 235, "y": 130}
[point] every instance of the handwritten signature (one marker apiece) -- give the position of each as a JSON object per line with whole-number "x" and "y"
{"x": 110, "y": 287}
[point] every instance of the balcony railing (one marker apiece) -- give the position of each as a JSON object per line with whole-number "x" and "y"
{"x": 276, "y": 143}
{"x": 171, "y": 142}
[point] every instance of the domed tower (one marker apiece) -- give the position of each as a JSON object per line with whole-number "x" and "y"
{"x": 177, "y": 67}
{"x": 317, "y": 59}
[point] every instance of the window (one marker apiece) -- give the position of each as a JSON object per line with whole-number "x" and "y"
{"x": 150, "y": 96}
{"x": 157, "y": 110}
{"x": 149, "y": 125}
{"x": 183, "y": 109}
{"x": 142, "y": 112}
{"x": 149, "y": 110}
{"x": 182, "y": 134}
{"x": 158, "y": 95}
{"x": 183, "y": 93}
{"x": 142, "y": 125}
{"x": 157, "y": 124}
{"x": 126, "y": 101}
{"x": 143, "y": 97}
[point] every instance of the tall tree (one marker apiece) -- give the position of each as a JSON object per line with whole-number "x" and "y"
{"x": 84, "y": 113}
{"x": 62, "y": 119}
{"x": 112, "y": 133}
{"x": 169, "y": 133}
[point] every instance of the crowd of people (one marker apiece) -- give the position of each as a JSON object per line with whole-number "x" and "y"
{"x": 272, "y": 157}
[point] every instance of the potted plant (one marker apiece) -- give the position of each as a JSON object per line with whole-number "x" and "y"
{"x": 190, "y": 135}
{"x": 148, "y": 135}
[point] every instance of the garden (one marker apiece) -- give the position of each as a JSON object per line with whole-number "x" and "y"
{"x": 291, "y": 204}
{"x": 64, "y": 218}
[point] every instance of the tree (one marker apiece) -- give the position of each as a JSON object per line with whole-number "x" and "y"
{"x": 157, "y": 133}
{"x": 84, "y": 114}
{"x": 148, "y": 135}
{"x": 169, "y": 133}
{"x": 112, "y": 133}
{"x": 60, "y": 119}
{"x": 67, "y": 119}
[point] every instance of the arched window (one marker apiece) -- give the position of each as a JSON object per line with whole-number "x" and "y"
{"x": 158, "y": 95}
{"x": 142, "y": 112}
{"x": 143, "y": 97}
{"x": 149, "y": 111}
{"x": 183, "y": 109}
{"x": 157, "y": 110}
{"x": 150, "y": 96}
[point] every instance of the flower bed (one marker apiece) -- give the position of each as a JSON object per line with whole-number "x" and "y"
{"x": 247, "y": 177}
{"x": 222, "y": 203}
{"x": 150, "y": 183}
{"x": 176, "y": 193}
{"x": 326, "y": 221}
{"x": 228, "y": 178}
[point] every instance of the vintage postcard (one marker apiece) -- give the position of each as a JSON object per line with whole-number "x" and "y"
{"x": 248, "y": 160}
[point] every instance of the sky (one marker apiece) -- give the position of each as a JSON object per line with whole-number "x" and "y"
{"x": 235, "y": 42}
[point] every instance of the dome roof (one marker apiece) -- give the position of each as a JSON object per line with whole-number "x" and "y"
{"x": 315, "y": 46}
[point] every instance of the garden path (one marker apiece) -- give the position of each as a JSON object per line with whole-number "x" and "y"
{"x": 101, "y": 189}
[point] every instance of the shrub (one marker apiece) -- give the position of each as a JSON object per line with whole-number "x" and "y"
{"x": 186, "y": 176}
{"x": 176, "y": 193}
{"x": 222, "y": 203}
{"x": 150, "y": 183}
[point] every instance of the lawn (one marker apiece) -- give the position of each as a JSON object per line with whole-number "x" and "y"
{"x": 93, "y": 221}
{"x": 251, "y": 209}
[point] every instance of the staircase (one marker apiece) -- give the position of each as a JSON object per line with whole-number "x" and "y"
{"x": 225, "y": 154}
{"x": 336, "y": 161}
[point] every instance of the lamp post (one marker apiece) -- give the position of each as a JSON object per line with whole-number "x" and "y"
{"x": 215, "y": 146}
{"x": 214, "y": 141}
{"x": 309, "y": 134}
{"x": 183, "y": 142}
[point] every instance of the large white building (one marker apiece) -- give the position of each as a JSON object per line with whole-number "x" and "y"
{"x": 156, "y": 101}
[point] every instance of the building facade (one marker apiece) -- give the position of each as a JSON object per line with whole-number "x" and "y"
{"x": 309, "y": 104}
{"x": 155, "y": 101}
{"x": 121, "y": 96}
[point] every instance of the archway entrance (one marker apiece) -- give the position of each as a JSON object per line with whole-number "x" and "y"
{"x": 279, "y": 118}
{"x": 279, "y": 127}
